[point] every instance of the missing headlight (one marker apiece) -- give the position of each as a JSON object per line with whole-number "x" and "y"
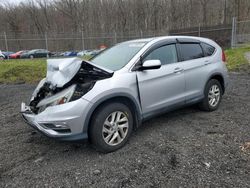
{"x": 82, "y": 89}
{"x": 63, "y": 96}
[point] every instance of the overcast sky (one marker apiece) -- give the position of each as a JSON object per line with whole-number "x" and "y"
{"x": 11, "y": 1}
{"x": 15, "y": 2}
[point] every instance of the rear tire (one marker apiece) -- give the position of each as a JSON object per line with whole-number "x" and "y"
{"x": 213, "y": 94}
{"x": 111, "y": 127}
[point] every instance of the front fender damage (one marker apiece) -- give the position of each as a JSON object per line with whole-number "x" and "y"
{"x": 61, "y": 75}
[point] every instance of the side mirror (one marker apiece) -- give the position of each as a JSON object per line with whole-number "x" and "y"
{"x": 151, "y": 64}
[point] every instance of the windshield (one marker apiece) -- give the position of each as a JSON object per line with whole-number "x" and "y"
{"x": 118, "y": 56}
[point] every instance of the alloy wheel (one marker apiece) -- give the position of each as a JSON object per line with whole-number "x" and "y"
{"x": 115, "y": 128}
{"x": 214, "y": 95}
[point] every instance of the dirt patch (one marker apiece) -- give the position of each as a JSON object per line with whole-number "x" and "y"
{"x": 184, "y": 148}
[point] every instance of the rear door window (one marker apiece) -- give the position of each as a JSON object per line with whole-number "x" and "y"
{"x": 191, "y": 51}
{"x": 208, "y": 49}
{"x": 166, "y": 54}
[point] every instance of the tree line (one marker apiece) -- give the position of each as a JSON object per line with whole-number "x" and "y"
{"x": 121, "y": 16}
{"x": 61, "y": 25}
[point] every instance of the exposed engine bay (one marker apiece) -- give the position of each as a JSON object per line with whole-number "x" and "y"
{"x": 66, "y": 80}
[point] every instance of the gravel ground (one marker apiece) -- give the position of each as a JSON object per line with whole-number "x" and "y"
{"x": 185, "y": 148}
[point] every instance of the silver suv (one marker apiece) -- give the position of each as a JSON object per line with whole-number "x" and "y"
{"x": 104, "y": 99}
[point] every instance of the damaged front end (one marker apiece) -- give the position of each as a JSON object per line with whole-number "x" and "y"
{"x": 54, "y": 107}
{"x": 67, "y": 80}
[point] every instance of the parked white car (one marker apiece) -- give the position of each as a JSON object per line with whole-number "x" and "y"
{"x": 2, "y": 56}
{"x": 83, "y": 53}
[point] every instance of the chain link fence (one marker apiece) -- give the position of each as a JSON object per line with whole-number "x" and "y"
{"x": 240, "y": 33}
{"x": 69, "y": 41}
{"x": 221, "y": 34}
{"x": 233, "y": 35}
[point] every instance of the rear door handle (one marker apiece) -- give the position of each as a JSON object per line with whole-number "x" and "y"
{"x": 178, "y": 70}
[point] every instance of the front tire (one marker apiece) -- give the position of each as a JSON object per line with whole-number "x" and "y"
{"x": 111, "y": 127}
{"x": 213, "y": 94}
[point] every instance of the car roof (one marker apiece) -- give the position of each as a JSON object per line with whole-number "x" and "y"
{"x": 144, "y": 40}
{"x": 181, "y": 38}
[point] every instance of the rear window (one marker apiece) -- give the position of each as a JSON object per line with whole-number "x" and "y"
{"x": 191, "y": 51}
{"x": 208, "y": 49}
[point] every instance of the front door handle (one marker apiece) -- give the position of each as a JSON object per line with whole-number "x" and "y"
{"x": 178, "y": 70}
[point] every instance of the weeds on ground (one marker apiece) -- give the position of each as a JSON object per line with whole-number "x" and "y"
{"x": 23, "y": 70}
{"x": 236, "y": 58}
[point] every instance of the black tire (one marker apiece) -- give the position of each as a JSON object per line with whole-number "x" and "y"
{"x": 204, "y": 104}
{"x": 97, "y": 123}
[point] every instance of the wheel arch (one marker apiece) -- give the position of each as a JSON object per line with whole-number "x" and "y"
{"x": 122, "y": 98}
{"x": 220, "y": 78}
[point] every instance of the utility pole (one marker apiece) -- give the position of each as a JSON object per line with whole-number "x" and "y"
{"x": 83, "y": 47}
{"x": 141, "y": 33}
{"x": 115, "y": 41}
{"x": 6, "y": 42}
{"x": 234, "y": 32}
{"x": 46, "y": 41}
{"x": 199, "y": 30}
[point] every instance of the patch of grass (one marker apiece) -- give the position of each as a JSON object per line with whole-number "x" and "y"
{"x": 87, "y": 57}
{"x": 32, "y": 71}
{"x": 23, "y": 70}
{"x": 236, "y": 58}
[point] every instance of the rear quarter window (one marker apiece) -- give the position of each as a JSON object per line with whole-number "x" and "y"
{"x": 191, "y": 51}
{"x": 208, "y": 49}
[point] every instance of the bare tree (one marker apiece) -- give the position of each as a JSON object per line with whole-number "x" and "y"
{"x": 126, "y": 17}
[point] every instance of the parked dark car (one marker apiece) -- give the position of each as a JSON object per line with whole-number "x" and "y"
{"x": 38, "y": 53}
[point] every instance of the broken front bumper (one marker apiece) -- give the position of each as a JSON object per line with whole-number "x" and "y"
{"x": 64, "y": 122}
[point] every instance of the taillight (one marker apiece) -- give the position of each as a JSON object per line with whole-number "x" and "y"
{"x": 224, "y": 59}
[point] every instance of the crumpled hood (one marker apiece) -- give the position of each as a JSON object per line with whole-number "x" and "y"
{"x": 61, "y": 71}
